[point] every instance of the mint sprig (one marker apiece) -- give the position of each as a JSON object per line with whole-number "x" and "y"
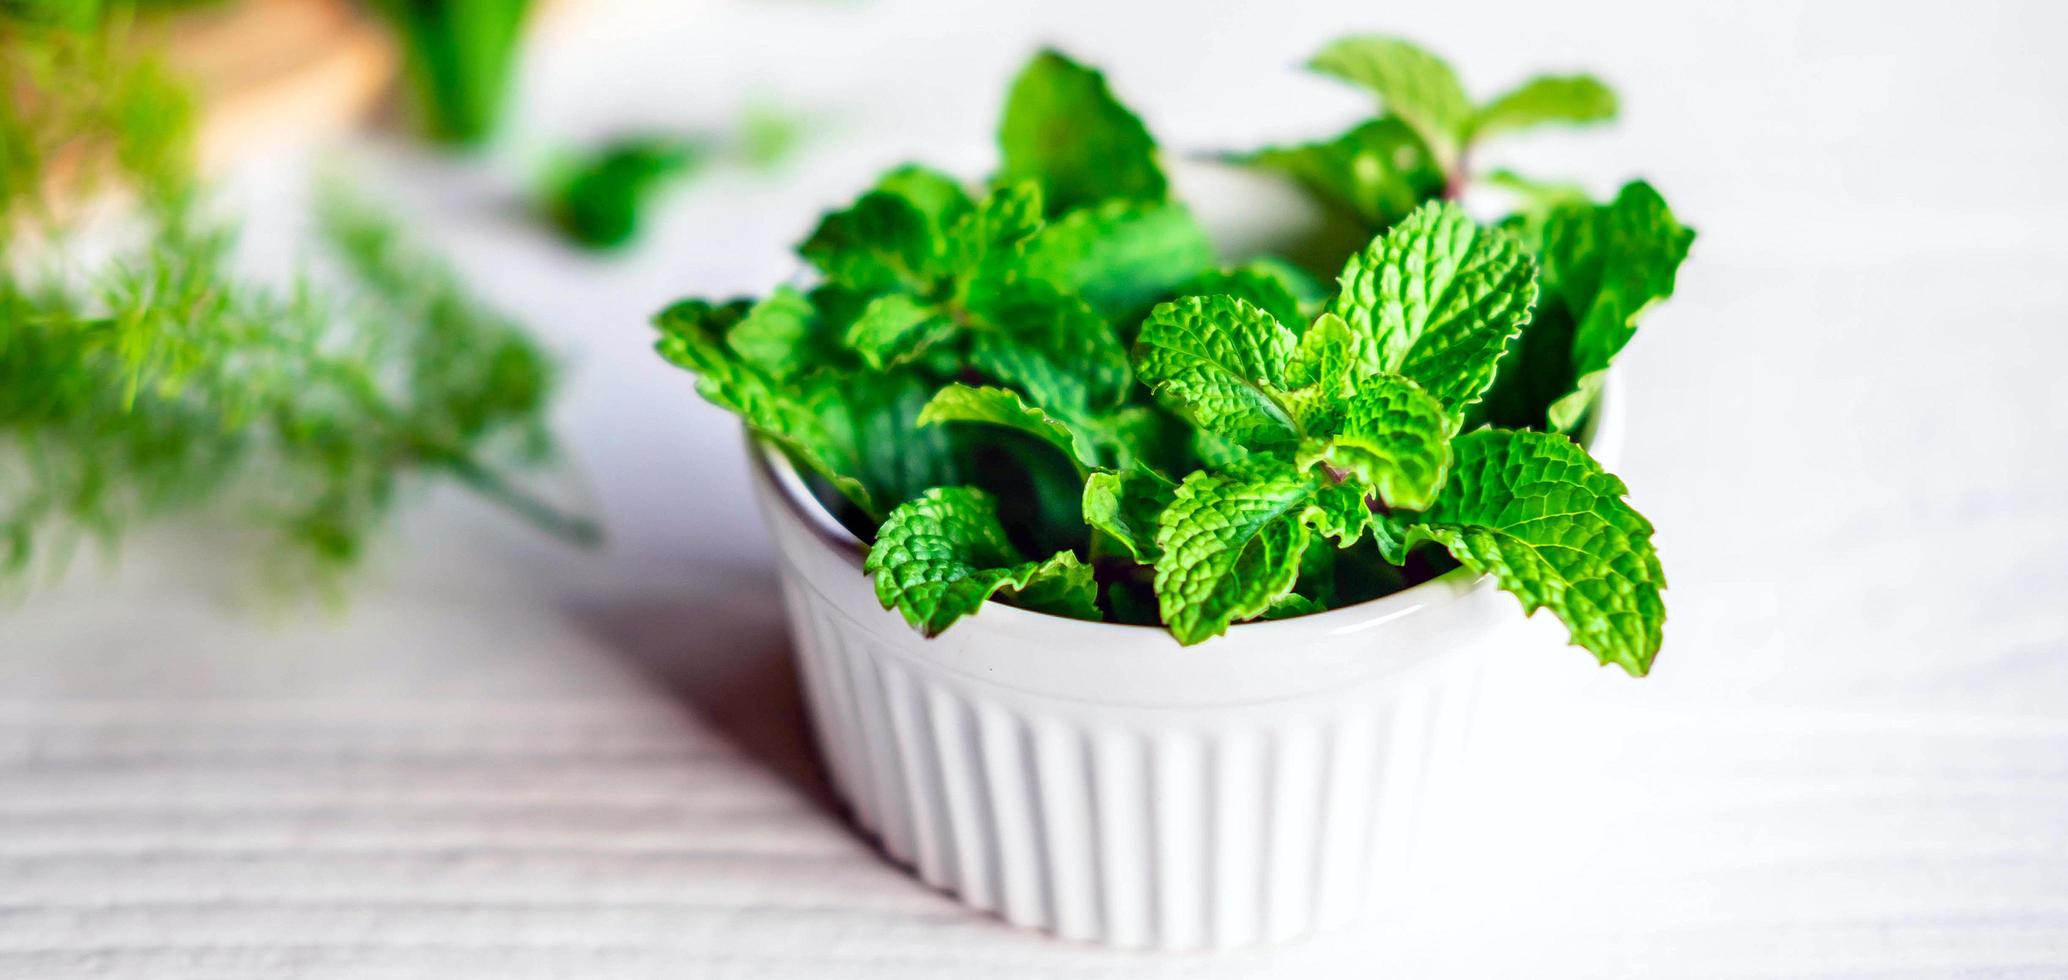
{"x": 1230, "y": 548}
{"x": 1533, "y": 510}
{"x": 939, "y": 556}
{"x": 1437, "y": 299}
{"x": 1064, "y": 130}
{"x": 1423, "y": 91}
{"x": 1052, "y": 364}
{"x": 1422, "y": 142}
{"x": 1604, "y": 267}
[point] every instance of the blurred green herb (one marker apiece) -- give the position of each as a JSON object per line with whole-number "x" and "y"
{"x": 600, "y": 201}
{"x": 459, "y": 58}
{"x": 69, "y": 14}
{"x": 78, "y": 108}
{"x": 162, "y": 383}
{"x": 769, "y": 135}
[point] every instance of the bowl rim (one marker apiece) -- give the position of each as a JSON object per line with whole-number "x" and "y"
{"x": 773, "y": 466}
{"x": 790, "y": 488}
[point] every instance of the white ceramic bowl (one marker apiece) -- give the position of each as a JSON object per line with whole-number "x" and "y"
{"x": 1100, "y": 781}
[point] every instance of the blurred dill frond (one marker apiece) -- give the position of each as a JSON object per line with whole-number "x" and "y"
{"x": 171, "y": 386}
{"x": 80, "y": 109}
{"x": 477, "y": 384}
{"x": 162, "y": 383}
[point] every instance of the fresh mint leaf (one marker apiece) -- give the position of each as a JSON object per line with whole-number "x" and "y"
{"x": 992, "y": 230}
{"x": 1061, "y": 586}
{"x": 1536, "y": 372}
{"x": 1228, "y": 366}
{"x": 1231, "y": 546}
{"x": 1236, "y": 372}
{"x": 1064, "y": 130}
{"x": 1217, "y": 453}
{"x": 1230, "y": 549}
{"x": 1389, "y": 532}
{"x": 782, "y": 335}
{"x": 1437, "y": 299}
{"x": 882, "y": 242}
{"x": 896, "y": 329}
{"x": 1126, "y": 505}
{"x": 1046, "y": 342}
{"x": 937, "y": 197}
{"x": 1607, "y": 266}
{"x": 1538, "y": 198}
{"x": 1412, "y": 83}
{"x": 1604, "y": 267}
{"x": 857, "y": 430}
{"x": 1568, "y": 99}
{"x": 1293, "y": 605}
{"x": 1040, "y": 373}
{"x": 692, "y": 335}
{"x": 1120, "y": 256}
{"x": 1340, "y": 511}
{"x": 1220, "y": 362}
{"x": 1323, "y": 374}
{"x": 1378, "y": 170}
{"x": 1393, "y": 437}
{"x": 1306, "y": 290}
{"x": 939, "y": 556}
{"x": 1271, "y": 287}
{"x": 895, "y": 236}
{"x": 874, "y": 421}
{"x": 1415, "y": 149}
{"x": 1040, "y": 491}
{"x": 997, "y": 406}
{"x": 1147, "y": 436}
{"x": 700, "y": 327}
{"x": 1536, "y": 512}
{"x": 1331, "y": 578}
{"x": 1131, "y": 603}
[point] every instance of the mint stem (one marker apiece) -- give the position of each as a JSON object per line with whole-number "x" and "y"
{"x": 1457, "y": 176}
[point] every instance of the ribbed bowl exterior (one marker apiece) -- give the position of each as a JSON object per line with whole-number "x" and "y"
{"x": 1172, "y": 829}
{"x": 1104, "y": 784}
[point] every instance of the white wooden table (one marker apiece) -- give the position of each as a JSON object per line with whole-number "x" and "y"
{"x": 506, "y": 760}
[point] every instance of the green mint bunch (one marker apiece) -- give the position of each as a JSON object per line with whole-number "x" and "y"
{"x": 1045, "y": 393}
{"x": 941, "y": 317}
{"x": 1420, "y": 144}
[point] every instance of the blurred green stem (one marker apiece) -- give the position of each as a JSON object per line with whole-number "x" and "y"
{"x": 571, "y": 528}
{"x": 460, "y": 57}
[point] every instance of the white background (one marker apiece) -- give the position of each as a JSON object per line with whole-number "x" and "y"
{"x": 508, "y": 760}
